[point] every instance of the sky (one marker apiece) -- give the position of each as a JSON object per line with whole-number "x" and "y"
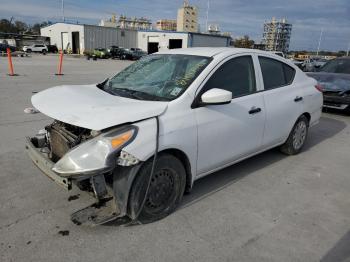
{"x": 239, "y": 17}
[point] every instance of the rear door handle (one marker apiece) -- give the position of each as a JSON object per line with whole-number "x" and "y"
{"x": 298, "y": 99}
{"x": 254, "y": 110}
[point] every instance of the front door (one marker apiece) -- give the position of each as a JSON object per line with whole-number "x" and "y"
{"x": 229, "y": 132}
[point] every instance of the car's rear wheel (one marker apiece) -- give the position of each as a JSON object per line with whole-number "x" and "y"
{"x": 297, "y": 137}
{"x": 165, "y": 190}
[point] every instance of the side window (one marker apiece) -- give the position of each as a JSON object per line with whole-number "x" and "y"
{"x": 236, "y": 75}
{"x": 275, "y": 73}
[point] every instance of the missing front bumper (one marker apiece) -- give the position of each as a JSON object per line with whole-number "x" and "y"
{"x": 45, "y": 165}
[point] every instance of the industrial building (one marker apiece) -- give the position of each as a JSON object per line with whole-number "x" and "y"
{"x": 125, "y": 22}
{"x": 276, "y": 36}
{"x": 187, "y": 18}
{"x": 154, "y": 41}
{"x": 166, "y": 25}
{"x": 76, "y": 38}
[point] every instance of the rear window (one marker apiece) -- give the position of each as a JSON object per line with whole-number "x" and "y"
{"x": 275, "y": 73}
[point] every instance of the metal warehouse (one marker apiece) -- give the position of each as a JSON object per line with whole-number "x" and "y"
{"x": 154, "y": 41}
{"x": 76, "y": 38}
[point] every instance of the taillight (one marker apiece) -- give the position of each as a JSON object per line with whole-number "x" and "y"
{"x": 319, "y": 87}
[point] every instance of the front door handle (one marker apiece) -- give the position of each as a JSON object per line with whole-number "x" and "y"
{"x": 298, "y": 99}
{"x": 254, "y": 110}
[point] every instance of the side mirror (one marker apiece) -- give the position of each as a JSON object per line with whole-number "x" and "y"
{"x": 216, "y": 96}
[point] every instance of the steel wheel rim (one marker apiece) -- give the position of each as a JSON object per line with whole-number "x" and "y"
{"x": 299, "y": 135}
{"x": 162, "y": 191}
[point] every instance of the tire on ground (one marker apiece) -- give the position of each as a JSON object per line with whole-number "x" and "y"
{"x": 288, "y": 147}
{"x": 169, "y": 171}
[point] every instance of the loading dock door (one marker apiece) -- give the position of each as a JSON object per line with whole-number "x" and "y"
{"x": 175, "y": 43}
{"x": 65, "y": 41}
{"x": 153, "y": 44}
{"x": 75, "y": 43}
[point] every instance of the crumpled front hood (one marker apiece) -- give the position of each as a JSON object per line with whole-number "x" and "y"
{"x": 90, "y": 107}
{"x": 332, "y": 81}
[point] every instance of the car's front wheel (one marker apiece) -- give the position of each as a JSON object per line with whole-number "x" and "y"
{"x": 165, "y": 191}
{"x": 297, "y": 137}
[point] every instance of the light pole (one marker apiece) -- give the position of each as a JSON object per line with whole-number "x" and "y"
{"x": 206, "y": 22}
{"x": 319, "y": 42}
{"x": 62, "y": 7}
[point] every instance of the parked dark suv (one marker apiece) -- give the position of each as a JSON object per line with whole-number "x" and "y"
{"x": 3, "y": 47}
{"x": 52, "y": 49}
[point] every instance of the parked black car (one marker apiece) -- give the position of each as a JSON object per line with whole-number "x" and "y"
{"x": 52, "y": 49}
{"x": 334, "y": 79}
{"x": 3, "y": 47}
{"x": 123, "y": 54}
{"x": 137, "y": 53}
{"x": 113, "y": 51}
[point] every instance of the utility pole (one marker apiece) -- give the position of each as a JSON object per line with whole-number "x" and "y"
{"x": 347, "y": 52}
{"x": 62, "y": 7}
{"x": 206, "y": 22}
{"x": 319, "y": 42}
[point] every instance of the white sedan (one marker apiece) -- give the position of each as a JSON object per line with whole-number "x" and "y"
{"x": 140, "y": 139}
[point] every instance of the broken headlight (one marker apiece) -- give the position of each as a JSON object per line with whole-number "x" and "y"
{"x": 95, "y": 155}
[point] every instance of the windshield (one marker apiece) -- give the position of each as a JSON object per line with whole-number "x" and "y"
{"x": 157, "y": 77}
{"x": 337, "y": 66}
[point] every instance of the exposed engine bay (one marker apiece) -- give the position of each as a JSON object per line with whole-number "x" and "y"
{"x": 62, "y": 137}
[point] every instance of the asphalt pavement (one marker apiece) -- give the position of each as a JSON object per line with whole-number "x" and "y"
{"x": 271, "y": 207}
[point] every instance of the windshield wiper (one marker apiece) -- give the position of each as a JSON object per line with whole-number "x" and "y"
{"x": 118, "y": 91}
{"x": 145, "y": 95}
{"x": 135, "y": 94}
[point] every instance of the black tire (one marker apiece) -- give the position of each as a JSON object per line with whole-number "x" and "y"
{"x": 165, "y": 191}
{"x": 44, "y": 52}
{"x": 29, "y": 50}
{"x": 294, "y": 145}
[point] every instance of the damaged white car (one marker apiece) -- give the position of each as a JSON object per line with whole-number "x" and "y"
{"x": 140, "y": 139}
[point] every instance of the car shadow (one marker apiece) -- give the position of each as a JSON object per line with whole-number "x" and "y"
{"x": 340, "y": 251}
{"x": 213, "y": 183}
{"x": 325, "y": 129}
{"x": 334, "y": 111}
{"x": 206, "y": 186}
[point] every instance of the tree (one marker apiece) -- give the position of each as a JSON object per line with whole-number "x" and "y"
{"x": 35, "y": 29}
{"x": 243, "y": 42}
{"x": 20, "y": 26}
{"x": 7, "y": 26}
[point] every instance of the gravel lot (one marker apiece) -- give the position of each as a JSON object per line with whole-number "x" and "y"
{"x": 268, "y": 208}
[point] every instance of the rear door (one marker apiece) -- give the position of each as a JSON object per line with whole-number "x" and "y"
{"x": 231, "y": 131}
{"x": 283, "y": 99}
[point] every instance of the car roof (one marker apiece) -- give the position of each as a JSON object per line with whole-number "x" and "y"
{"x": 212, "y": 51}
